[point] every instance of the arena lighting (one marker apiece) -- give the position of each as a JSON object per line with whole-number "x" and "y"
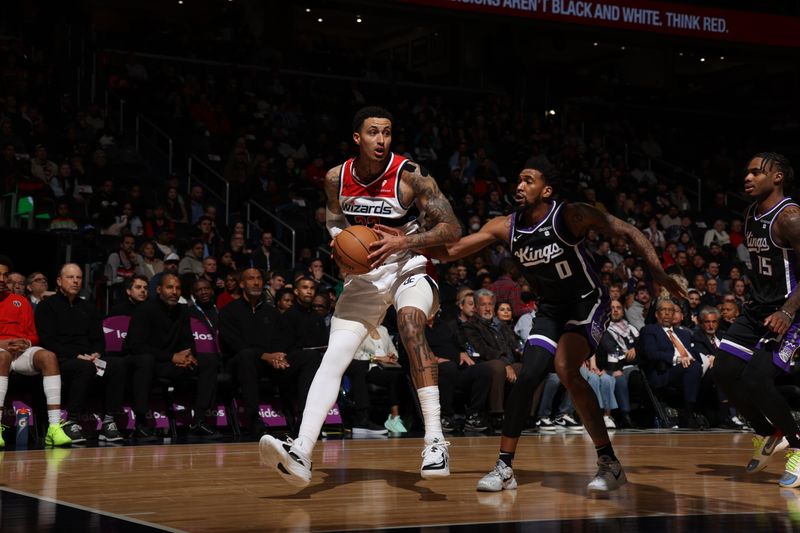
{"x": 680, "y": 54}
{"x": 722, "y": 58}
{"x": 308, "y": 10}
{"x": 594, "y": 44}
{"x": 319, "y": 19}
{"x": 622, "y": 48}
{"x": 702, "y": 59}
{"x": 551, "y": 112}
{"x": 359, "y": 19}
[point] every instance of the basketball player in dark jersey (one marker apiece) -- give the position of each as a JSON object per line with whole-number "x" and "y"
{"x": 761, "y": 342}
{"x": 546, "y": 239}
{"x": 378, "y": 187}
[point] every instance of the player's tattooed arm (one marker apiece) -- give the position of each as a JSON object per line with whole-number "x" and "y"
{"x": 442, "y": 226}
{"x": 334, "y": 217}
{"x": 580, "y": 218}
{"x": 786, "y": 232}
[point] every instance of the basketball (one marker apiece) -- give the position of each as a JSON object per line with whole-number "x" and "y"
{"x": 351, "y": 248}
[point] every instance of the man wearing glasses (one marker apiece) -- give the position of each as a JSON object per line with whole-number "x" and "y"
{"x": 37, "y": 289}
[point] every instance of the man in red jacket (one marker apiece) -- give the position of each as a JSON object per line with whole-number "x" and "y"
{"x": 18, "y": 352}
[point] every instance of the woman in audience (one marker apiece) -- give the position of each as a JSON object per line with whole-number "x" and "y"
{"x": 150, "y": 265}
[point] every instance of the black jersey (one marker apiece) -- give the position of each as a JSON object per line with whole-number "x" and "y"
{"x": 557, "y": 265}
{"x": 774, "y": 268}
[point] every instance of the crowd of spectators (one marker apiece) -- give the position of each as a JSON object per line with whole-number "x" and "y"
{"x": 150, "y": 245}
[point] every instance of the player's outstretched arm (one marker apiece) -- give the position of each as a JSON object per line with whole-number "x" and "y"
{"x": 582, "y": 217}
{"x": 442, "y": 224}
{"x": 496, "y": 229}
{"x": 786, "y": 232}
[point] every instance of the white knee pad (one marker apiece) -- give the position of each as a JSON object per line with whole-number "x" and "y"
{"x": 418, "y": 291}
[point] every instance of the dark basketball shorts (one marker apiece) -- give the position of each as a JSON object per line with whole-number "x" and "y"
{"x": 588, "y": 317}
{"x": 748, "y": 334}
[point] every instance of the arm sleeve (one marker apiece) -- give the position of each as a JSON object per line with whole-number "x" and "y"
{"x": 335, "y": 223}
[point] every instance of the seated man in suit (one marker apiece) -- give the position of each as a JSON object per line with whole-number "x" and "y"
{"x": 669, "y": 358}
{"x": 706, "y": 339}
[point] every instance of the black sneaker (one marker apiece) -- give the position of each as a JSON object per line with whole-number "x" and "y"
{"x": 143, "y": 434}
{"x": 200, "y": 429}
{"x": 475, "y": 422}
{"x": 368, "y": 428}
{"x": 110, "y": 433}
{"x": 448, "y": 426}
{"x": 75, "y": 432}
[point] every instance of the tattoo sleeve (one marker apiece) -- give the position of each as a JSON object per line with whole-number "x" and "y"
{"x": 581, "y": 217}
{"x": 441, "y": 224}
{"x": 332, "y": 190}
{"x": 424, "y": 367}
{"x": 787, "y": 233}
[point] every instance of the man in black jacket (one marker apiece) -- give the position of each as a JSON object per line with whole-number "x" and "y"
{"x": 250, "y": 333}
{"x": 493, "y": 343}
{"x": 159, "y": 338}
{"x": 305, "y": 337}
{"x": 69, "y": 326}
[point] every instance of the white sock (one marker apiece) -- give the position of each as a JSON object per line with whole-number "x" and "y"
{"x": 342, "y": 346}
{"x": 3, "y": 390}
{"x": 54, "y": 416}
{"x": 431, "y": 412}
{"x": 52, "y": 393}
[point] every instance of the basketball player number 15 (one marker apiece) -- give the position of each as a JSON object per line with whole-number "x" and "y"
{"x": 562, "y": 267}
{"x": 764, "y": 266}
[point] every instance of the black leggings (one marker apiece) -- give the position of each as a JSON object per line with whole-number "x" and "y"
{"x": 537, "y": 363}
{"x": 750, "y": 386}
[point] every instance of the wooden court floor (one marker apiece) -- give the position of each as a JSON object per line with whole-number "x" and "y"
{"x": 677, "y": 482}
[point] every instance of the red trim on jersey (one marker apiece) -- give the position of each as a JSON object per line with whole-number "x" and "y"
{"x": 381, "y": 187}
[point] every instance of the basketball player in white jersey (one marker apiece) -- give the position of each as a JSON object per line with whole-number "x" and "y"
{"x": 378, "y": 187}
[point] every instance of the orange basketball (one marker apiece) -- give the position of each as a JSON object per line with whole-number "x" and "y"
{"x": 351, "y": 248}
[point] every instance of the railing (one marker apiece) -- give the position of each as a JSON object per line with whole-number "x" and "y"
{"x": 224, "y": 196}
{"x": 8, "y": 210}
{"x": 253, "y": 204}
{"x": 145, "y": 125}
{"x": 115, "y": 110}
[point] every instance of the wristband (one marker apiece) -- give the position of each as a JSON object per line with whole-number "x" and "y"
{"x": 789, "y": 315}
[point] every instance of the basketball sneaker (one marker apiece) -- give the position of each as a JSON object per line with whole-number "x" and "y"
{"x": 791, "y": 476}
{"x": 56, "y": 436}
{"x": 74, "y": 431}
{"x": 435, "y": 460}
{"x": 2, "y": 429}
{"x": 567, "y": 422}
{"x": 293, "y": 465}
{"x": 395, "y": 424}
{"x": 763, "y": 450}
{"x": 610, "y": 476}
{"x": 500, "y": 478}
{"x": 545, "y": 425}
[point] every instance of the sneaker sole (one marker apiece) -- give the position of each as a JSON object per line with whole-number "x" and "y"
{"x": 762, "y": 464}
{"x": 622, "y": 480}
{"x": 433, "y": 474}
{"x": 370, "y": 432}
{"x": 112, "y": 439}
{"x": 271, "y": 451}
{"x": 512, "y": 485}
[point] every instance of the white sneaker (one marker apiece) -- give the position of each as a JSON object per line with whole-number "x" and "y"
{"x": 435, "y": 460}
{"x": 567, "y": 422}
{"x": 763, "y": 450}
{"x": 610, "y": 476}
{"x": 501, "y": 478}
{"x": 293, "y": 465}
{"x": 610, "y": 424}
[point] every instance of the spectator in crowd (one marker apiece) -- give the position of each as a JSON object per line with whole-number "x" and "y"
{"x": 729, "y": 311}
{"x": 136, "y": 294}
{"x": 192, "y": 262}
{"x": 174, "y": 206}
{"x": 616, "y": 355}
{"x": 63, "y": 220}
{"x": 506, "y": 288}
{"x": 711, "y": 297}
{"x": 121, "y": 265}
{"x": 458, "y": 370}
{"x": 603, "y": 385}
{"x": 668, "y": 360}
{"x": 105, "y": 203}
{"x": 276, "y": 283}
{"x": 495, "y": 344}
{"x": 284, "y": 300}
{"x": 239, "y": 252}
{"x": 375, "y": 363}
{"x": 717, "y": 234}
{"x": 203, "y": 306}
{"x": 150, "y": 264}
{"x": 16, "y": 283}
{"x": 305, "y": 337}
{"x": 159, "y": 343}
{"x": 232, "y": 290}
{"x": 171, "y": 263}
{"x": 196, "y": 206}
{"x": 211, "y": 275}
{"x": 41, "y": 166}
{"x": 36, "y": 288}
{"x": 266, "y": 257}
{"x": 158, "y": 224}
{"x": 638, "y": 311}
{"x": 69, "y": 326}
{"x": 19, "y": 353}
{"x": 205, "y": 232}
{"x": 706, "y": 338}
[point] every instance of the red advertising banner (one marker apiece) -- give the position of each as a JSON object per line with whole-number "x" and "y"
{"x": 661, "y": 17}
